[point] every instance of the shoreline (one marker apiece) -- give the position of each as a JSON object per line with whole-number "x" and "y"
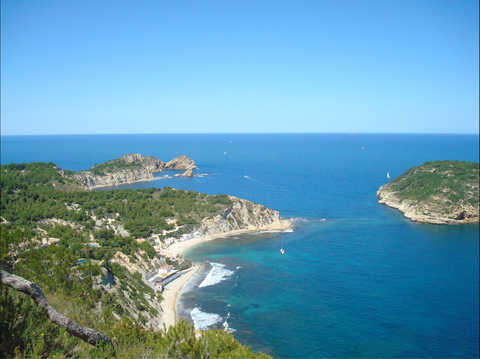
{"x": 173, "y": 290}
{"x": 179, "y": 248}
{"x": 171, "y": 295}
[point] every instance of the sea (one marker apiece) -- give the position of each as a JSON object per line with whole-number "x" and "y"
{"x": 357, "y": 279}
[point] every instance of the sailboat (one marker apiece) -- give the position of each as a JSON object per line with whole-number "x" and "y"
{"x": 281, "y": 249}
{"x": 388, "y": 175}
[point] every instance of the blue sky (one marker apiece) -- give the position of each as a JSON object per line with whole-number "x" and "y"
{"x": 97, "y": 67}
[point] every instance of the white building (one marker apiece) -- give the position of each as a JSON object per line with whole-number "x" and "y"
{"x": 186, "y": 237}
{"x": 166, "y": 269}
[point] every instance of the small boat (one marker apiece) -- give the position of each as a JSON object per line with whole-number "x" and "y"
{"x": 388, "y": 175}
{"x": 281, "y": 249}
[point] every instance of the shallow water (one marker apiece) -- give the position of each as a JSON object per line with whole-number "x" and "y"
{"x": 357, "y": 279}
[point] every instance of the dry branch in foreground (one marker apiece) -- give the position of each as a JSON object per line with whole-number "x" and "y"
{"x": 88, "y": 335}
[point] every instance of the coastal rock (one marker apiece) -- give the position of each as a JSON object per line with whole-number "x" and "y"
{"x": 89, "y": 180}
{"x": 436, "y": 193}
{"x": 244, "y": 215}
{"x": 181, "y": 162}
{"x": 130, "y": 168}
{"x": 187, "y": 173}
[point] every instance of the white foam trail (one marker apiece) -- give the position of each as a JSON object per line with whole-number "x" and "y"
{"x": 301, "y": 219}
{"x": 217, "y": 274}
{"x": 204, "y": 320}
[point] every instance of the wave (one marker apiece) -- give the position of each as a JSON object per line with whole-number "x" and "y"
{"x": 228, "y": 328}
{"x": 203, "y": 320}
{"x": 217, "y": 274}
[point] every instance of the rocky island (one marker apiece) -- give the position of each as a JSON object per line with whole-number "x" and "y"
{"x": 128, "y": 169}
{"x": 441, "y": 192}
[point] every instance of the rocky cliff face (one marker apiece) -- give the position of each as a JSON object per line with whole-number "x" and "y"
{"x": 431, "y": 212}
{"x": 151, "y": 163}
{"x": 118, "y": 171}
{"x": 89, "y": 180}
{"x": 181, "y": 162}
{"x": 244, "y": 215}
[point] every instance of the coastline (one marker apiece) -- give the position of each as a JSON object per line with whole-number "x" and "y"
{"x": 173, "y": 290}
{"x": 171, "y": 294}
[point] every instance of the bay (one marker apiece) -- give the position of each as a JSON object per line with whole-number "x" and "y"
{"x": 357, "y": 278}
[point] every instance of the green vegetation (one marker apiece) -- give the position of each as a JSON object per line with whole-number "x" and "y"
{"x": 452, "y": 179}
{"x": 437, "y": 192}
{"x": 37, "y": 202}
{"x": 114, "y": 166}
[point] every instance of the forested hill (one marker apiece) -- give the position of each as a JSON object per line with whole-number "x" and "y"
{"x": 436, "y": 192}
{"x": 48, "y": 223}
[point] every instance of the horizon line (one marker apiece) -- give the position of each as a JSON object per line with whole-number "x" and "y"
{"x": 245, "y": 133}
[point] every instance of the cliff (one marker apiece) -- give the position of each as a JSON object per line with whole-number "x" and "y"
{"x": 181, "y": 162}
{"x": 90, "y": 180}
{"x": 243, "y": 215}
{"x": 127, "y": 169}
{"x": 442, "y": 192}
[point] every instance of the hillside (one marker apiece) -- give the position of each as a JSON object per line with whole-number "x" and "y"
{"x": 442, "y": 192}
{"x": 49, "y": 223}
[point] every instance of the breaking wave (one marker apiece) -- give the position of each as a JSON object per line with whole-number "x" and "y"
{"x": 204, "y": 320}
{"x": 217, "y": 274}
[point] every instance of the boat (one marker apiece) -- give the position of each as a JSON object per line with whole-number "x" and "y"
{"x": 281, "y": 249}
{"x": 388, "y": 175}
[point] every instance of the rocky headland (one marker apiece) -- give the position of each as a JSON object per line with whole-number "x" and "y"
{"x": 129, "y": 169}
{"x": 241, "y": 216}
{"x": 442, "y": 192}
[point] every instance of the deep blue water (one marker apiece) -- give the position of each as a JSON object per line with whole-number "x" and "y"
{"x": 357, "y": 278}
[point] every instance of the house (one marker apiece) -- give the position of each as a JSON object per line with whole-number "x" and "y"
{"x": 166, "y": 269}
{"x": 186, "y": 237}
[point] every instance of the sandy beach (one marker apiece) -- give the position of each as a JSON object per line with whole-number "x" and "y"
{"x": 173, "y": 289}
{"x": 170, "y": 296}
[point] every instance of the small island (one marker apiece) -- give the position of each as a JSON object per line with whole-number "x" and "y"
{"x": 441, "y": 192}
{"x": 129, "y": 169}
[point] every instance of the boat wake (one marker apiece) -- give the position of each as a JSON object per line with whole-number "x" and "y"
{"x": 217, "y": 274}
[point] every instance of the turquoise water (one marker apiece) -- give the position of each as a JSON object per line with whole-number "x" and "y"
{"x": 357, "y": 278}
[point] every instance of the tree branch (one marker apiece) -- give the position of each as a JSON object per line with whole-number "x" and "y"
{"x": 88, "y": 335}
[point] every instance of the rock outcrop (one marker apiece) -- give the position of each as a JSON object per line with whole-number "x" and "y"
{"x": 181, "y": 162}
{"x": 242, "y": 216}
{"x": 187, "y": 173}
{"x": 439, "y": 193}
{"x": 151, "y": 163}
{"x": 90, "y": 181}
{"x": 128, "y": 169}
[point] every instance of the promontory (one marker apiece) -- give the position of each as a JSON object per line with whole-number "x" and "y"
{"x": 128, "y": 169}
{"x": 441, "y": 192}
